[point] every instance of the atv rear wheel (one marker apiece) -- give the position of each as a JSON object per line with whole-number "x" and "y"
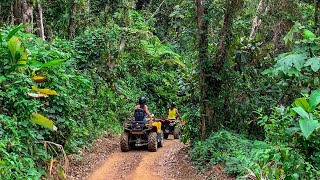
{"x": 176, "y": 133}
{"x": 152, "y": 142}
{"x": 124, "y": 142}
{"x": 160, "y": 144}
{"x": 165, "y": 136}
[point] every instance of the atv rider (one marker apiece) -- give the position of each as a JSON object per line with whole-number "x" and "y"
{"x": 141, "y": 110}
{"x": 173, "y": 113}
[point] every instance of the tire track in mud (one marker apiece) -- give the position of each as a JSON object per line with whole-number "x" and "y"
{"x": 117, "y": 166}
{"x": 132, "y": 165}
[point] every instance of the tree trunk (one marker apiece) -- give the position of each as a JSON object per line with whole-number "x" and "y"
{"x": 202, "y": 22}
{"x": 72, "y": 21}
{"x": 257, "y": 20}
{"x": 11, "y": 15}
{"x": 40, "y": 20}
{"x": 23, "y": 13}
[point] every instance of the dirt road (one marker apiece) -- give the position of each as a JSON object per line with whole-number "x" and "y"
{"x": 105, "y": 161}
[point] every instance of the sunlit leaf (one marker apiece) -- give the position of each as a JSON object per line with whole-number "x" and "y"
{"x": 42, "y": 121}
{"x": 45, "y": 91}
{"x": 302, "y": 102}
{"x": 308, "y": 126}
{"x": 308, "y": 34}
{"x": 22, "y": 62}
{"x": 175, "y": 61}
{"x": 39, "y": 79}
{"x": 2, "y": 163}
{"x": 14, "y": 44}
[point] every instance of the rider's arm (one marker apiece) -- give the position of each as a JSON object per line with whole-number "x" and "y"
{"x": 147, "y": 110}
{"x": 177, "y": 112}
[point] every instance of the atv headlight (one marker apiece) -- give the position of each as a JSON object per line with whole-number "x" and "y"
{"x": 127, "y": 125}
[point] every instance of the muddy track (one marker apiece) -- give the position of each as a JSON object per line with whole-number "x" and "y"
{"x": 136, "y": 164}
{"x": 170, "y": 162}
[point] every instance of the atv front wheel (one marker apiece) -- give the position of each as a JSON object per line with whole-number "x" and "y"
{"x": 124, "y": 142}
{"x": 152, "y": 142}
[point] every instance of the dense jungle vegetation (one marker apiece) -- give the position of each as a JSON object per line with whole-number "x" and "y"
{"x": 244, "y": 73}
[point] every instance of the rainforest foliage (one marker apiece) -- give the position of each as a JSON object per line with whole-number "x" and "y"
{"x": 244, "y": 73}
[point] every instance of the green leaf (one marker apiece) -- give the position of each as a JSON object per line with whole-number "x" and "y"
{"x": 14, "y": 45}
{"x": 2, "y": 163}
{"x": 42, "y": 121}
{"x": 53, "y": 63}
{"x": 308, "y": 126}
{"x": 314, "y": 99}
{"x": 15, "y": 30}
{"x": 288, "y": 63}
{"x": 289, "y": 36}
{"x": 2, "y": 78}
{"x": 314, "y": 63}
{"x": 301, "y": 112}
{"x": 308, "y": 34}
{"x": 302, "y": 102}
{"x": 175, "y": 61}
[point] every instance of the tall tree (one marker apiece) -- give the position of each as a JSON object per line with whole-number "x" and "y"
{"x": 211, "y": 72}
{"x": 72, "y": 20}
{"x": 23, "y": 13}
{"x": 202, "y": 21}
{"x": 316, "y": 14}
{"x": 40, "y": 20}
{"x": 262, "y": 9}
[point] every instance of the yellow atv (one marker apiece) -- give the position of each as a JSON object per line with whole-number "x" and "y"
{"x": 140, "y": 133}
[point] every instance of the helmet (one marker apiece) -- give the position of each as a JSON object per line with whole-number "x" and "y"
{"x": 173, "y": 104}
{"x": 142, "y": 100}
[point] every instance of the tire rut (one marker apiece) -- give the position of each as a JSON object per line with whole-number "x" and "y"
{"x": 118, "y": 166}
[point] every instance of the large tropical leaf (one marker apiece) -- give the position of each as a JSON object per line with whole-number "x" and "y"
{"x": 301, "y": 112}
{"x": 314, "y": 99}
{"x": 314, "y": 63}
{"x": 14, "y": 45}
{"x": 289, "y": 62}
{"x": 302, "y": 102}
{"x": 42, "y": 121}
{"x": 308, "y": 126}
{"x": 17, "y": 51}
